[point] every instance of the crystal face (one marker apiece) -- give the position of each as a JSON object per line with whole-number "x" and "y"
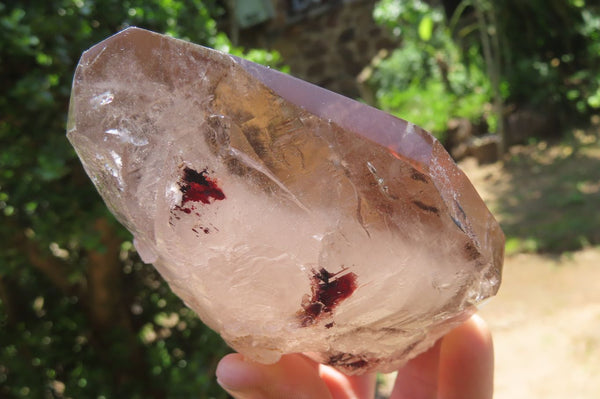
{"x": 290, "y": 218}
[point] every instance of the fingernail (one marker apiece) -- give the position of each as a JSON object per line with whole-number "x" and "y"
{"x": 236, "y": 375}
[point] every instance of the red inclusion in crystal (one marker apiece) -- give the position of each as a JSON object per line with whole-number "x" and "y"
{"x": 328, "y": 290}
{"x": 196, "y": 187}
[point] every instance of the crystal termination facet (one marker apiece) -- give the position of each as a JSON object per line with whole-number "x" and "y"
{"x": 290, "y": 218}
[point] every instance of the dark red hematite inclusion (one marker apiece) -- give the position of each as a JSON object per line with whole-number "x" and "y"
{"x": 196, "y": 187}
{"x": 328, "y": 291}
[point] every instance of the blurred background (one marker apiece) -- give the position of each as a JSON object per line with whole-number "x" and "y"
{"x": 510, "y": 87}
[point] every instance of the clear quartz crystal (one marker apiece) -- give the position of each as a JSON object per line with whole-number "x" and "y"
{"x": 290, "y": 218}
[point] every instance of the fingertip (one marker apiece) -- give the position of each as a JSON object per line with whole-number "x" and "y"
{"x": 482, "y": 329}
{"x": 235, "y": 373}
{"x": 473, "y": 336}
{"x": 343, "y": 386}
{"x": 467, "y": 362}
{"x": 293, "y": 376}
{"x": 419, "y": 377}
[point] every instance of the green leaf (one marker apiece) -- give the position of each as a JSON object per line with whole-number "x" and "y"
{"x": 426, "y": 28}
{"x": 594, "y": 100}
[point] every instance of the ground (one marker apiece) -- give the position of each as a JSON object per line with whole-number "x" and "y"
{"x": 545, "y": 319}
{"x": 546, "y": 327}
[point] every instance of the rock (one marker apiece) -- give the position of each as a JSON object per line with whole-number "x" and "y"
{"x": 459, "y": 133}
{"x": 484, "y": 149}
{"x": 523, "y": 124}
{"x": 290, "y": 218}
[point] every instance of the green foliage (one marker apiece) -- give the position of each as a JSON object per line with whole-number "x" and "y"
{"x": 402, "y": 16}
{"x": 427, "y": 80}
{"x": 57, "y": 234}
{"x": 410, "y": 85}
{"x": 551, "y": 61}
{"x": 52, "y": 349}
{"x": 546, "y": 56}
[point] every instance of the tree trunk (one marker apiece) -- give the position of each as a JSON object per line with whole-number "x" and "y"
{"x": 105, "y": 281}
{"x": 491, "y": 51}
{"x": 7, "y": 303}
{"x": 108, "y": 309}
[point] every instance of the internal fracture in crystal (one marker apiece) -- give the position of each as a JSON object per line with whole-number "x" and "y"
{"x": 291, "y": 219}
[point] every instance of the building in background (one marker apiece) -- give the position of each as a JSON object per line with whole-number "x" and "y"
{"x": 326, "y": 42}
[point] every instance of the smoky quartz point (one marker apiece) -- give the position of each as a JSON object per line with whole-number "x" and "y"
{"x": 290, "y": 218}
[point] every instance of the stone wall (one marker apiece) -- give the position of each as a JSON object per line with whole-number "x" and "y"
{"x": 327, "y": 43}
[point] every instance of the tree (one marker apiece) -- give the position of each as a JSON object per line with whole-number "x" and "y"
{"x": 550, "y": 52}
{"x": 80, "y": 315}
{"x": 430, "y": 78}
{"x": 539, "y": 55}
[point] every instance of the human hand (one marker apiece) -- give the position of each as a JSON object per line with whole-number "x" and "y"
{"x": 458, "y": 366}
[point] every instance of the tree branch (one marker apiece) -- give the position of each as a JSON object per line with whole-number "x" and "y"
{"x": 55, "y": 270}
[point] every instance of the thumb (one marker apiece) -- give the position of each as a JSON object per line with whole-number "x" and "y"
{"x": 293, "y": 376}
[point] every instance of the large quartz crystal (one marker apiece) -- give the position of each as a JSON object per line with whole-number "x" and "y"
{"x": 290, "y": 218}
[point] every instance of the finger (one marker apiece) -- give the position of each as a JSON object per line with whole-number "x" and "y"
{"x": 467, "y": 362}
{"x": 348, "y": 387}
{"x": 294, "y": 376}
{"x": 419, "y": 378}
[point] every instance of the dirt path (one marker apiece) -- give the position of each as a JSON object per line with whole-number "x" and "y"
{"x": 546, "y": 318}
{"x": 546, "y": 326}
